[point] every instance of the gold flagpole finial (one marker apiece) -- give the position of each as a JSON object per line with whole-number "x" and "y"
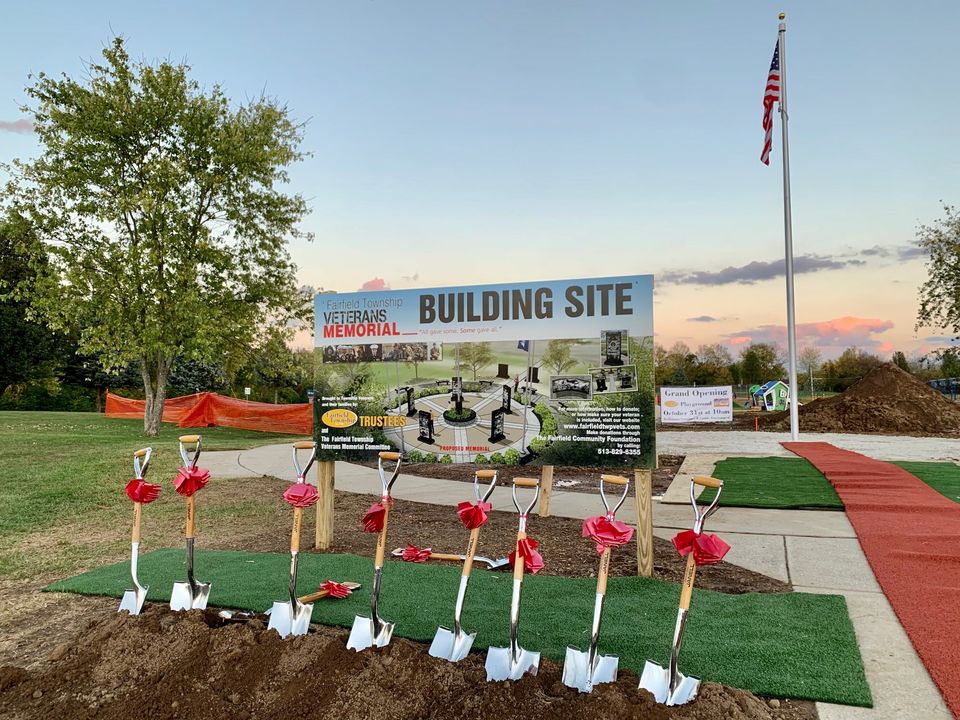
{"x": 782, "y": 15}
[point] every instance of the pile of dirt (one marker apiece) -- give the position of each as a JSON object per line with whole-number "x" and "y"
{"x": 885, "y": 401}
{"x": 180, "y": 665}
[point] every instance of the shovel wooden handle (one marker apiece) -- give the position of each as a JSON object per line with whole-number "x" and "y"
{"x": 708, "y": 482}
{"x": 526, "y": 482}
{"x": 688, "y": 577}
{"x": 614, "y": 479}
{"x": 517, "y": 558}
{"x": 191, "y": 516}
{"x": 444, "y": 556}
{"x": 386, "y": 455}
{"x": 320, "y": 594}
{"x": 604, "y": 571}
{"x": 295, "y": 535}
{"x": 141, "y": 452}
{"x": 485, "y": 474}
{"x": 471, "y": 551}
{"x": 382, "y": 537}
{"x": 137, "y": 516}
{"x": 303, "y": 445}
{"x": 189, "y": 438}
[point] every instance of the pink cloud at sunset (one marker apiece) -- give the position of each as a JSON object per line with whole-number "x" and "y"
{"x": 831, "y": 336}
{"x": 375, "y": 284}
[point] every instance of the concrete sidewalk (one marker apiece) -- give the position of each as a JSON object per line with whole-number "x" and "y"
{"x": 817, "y": 551}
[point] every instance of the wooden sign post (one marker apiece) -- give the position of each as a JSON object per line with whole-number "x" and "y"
{"x": 546, "y": 487}
{"x": 643, "y": 487}
{"x": 325, "y": 488}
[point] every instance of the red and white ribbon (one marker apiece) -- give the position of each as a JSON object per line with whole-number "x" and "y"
{"x": 301, "y": 495}
{"x": 411, "y": 553}
{"x": 473, "y": 515}
{"x": 335, "y": 589}
{"x": 606, "y": 531}
{"x": 706, "y": 549}
{"x": 373, "y": 518}
{"x": 141, "y": 491}
{"x": 190, "y": 480}
{"x": 532, "y": 560}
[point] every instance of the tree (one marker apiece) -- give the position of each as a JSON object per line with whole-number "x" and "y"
{"x": 713, "y": 365}
{"x": 558, "y": 356}
{"x": 809, "y": 359}
{"x": 676, "y": 366}
{"x": 161, "y": 213}
{"x": 900, "y": 360}
{"x": 476, "y": 356}
{"x": 760, "y": 362}
{"x": 940, "y": 294}
{"x": 852, "y": 365}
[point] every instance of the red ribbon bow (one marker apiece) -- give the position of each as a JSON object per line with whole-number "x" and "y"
{"x": 335, "y": 589}
{"x": 473, "y": 515}
{"x": 532, "y": 560}
{"x": 707, "y": 549}
{"x": 301, "y": 495}
{"x": 189, "y": 480}
{"x": 141, "y": 491}
{"x": 411, "y": 553}
{"x": 373, "y": 518}
{"x": 607, "y": 532}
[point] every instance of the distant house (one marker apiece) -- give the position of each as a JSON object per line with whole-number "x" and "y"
{"x": 773, "y": 395}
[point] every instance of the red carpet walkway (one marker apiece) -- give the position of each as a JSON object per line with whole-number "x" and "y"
{"x": 910, "y": 534}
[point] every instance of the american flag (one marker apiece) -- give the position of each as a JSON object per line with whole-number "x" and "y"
{"x": 770, "y": 95}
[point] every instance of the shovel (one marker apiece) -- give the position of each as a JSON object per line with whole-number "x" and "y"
{"x": 489, "y": 562}
{"x": 132, "y": 600}
{"x": 454, "y": 645}
{"x": 240, "y": 615}
{"x": 582, "y": 670}
{"x": 190, "y": 595}
{"x": 292, "y": 617}
{"x": 668, "y": 685}
{"x": 511, "y": 663}
{"x": 373, "y": 631}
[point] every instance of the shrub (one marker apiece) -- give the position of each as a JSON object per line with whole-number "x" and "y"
{"x": 430, "y": 458}
{"x": 446, "y": 460}
{"x": 481, "y": 459}
{"x": 497, "y": 458}
{"x": 461, "y": 417}
{"x": 511, "y": 457}
{"x": 415, "y": 456}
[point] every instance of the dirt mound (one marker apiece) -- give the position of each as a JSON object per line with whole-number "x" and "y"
{"x": 165, "y": 665}
{"x": 886, "y": 400}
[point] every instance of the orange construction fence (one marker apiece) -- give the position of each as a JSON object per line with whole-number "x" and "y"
{"x": 209, "y": 409}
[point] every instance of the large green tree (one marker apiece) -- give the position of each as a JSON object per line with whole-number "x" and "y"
{"x": 940, "y": 294}
{"x": 476, "y": 356}
{"x": 163, "y": 213}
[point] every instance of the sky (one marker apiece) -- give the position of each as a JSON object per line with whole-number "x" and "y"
{"x": 460, "y": 143}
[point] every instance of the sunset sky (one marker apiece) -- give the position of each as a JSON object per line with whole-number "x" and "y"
{"x": 468, "y": 143}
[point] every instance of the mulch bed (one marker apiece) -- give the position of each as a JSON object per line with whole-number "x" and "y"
{"x": 564, "y": 550}
{"x": 164, "y": 665}
{"x": 565, "y": 477}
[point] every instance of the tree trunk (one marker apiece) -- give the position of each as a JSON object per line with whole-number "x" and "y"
{"x": 155, "y": 378}
{"x": 276, "y": 395}
{"x": 98, "y": 407}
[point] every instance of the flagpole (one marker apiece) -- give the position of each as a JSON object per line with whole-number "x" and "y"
{"x": 527, "y": 396}
{"x": 788, "y": 238}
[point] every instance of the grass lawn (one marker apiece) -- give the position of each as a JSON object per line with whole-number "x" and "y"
{"x": 772, "y": 644}
{"x": 944, "y": 477}
{"x": 62, "y": 470}
{"x": 772, "y": 482}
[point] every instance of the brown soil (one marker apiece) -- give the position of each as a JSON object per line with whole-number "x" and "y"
{"x": 164, "y": 665}
{"x": 565, "y": 477}
{"x": 885, "y": 401}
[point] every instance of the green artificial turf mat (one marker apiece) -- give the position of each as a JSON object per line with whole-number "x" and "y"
{"x": 772, "y": 482}
{"x": 944, "y": 477}
{"x": 782, "y": 644}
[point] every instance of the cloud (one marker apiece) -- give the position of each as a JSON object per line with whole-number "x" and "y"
{"x": 703, "y": 319}
{"x": 898, "y": 252}
{"x": 939, "y": 339}
{"x": 828, "y": 335}
{"x": 910, "y": 252}
{"x": 21, "y": 127}
{"x": 375, "y": 284}
{"x": 758, "y": 270}
{"x": 411, "y": 278}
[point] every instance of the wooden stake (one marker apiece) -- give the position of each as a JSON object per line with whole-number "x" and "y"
{"x": 546, "y": 487}
{"x": 643, "y": 487}
{"x": 325, "y": 487}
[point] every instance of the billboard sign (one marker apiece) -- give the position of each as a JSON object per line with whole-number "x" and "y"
{"x": 569, "y": 361}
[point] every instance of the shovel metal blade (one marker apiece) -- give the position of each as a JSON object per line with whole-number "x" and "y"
{"x": 183, "y": 596}
{"x": 452, "y": 646}
{"x": 655, "y": 679}
{"x": 132, "y": 600}
{"x": 501, "y": 664}
{"x": 362, "y": 634}
{"x": 288, "y": 619}
{"x": 578, "y": 674}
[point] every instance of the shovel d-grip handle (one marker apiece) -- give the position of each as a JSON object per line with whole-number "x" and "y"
{"x": 389, "y": 456}
{"x": 709, "y": 482}
{"x": 479, "y": 475}
{"x": 141, "y": 461}
{"x": 304, "y": 445}
{"x": 295, "y": 533}
{"x": 618, "y": 480}
{"x": 185, "y": 440}
{"x": 191, "y": 517}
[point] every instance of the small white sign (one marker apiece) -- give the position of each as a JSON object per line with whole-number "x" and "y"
{"x": 680, "y": 405}
{"x": 246, "y": 391}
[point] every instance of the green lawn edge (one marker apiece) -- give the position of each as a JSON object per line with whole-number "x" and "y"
{"x": 795, "y": 645}
{"x": 784, "y": 483}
